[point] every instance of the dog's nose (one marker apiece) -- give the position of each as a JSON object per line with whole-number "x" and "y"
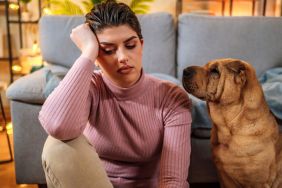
{"x": 189, "y": 72}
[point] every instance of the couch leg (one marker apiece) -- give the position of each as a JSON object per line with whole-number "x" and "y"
{"x": 42, "y": 185}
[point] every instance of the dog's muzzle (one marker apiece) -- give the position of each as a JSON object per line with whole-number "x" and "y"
{"x": 188, "y": 73}
{"x": 187, "y": 78}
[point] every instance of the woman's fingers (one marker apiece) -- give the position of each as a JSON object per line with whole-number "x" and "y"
{"x": 85, "y": 40}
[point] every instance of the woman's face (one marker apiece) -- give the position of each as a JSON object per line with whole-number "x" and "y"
{"x": 120, "y": 55}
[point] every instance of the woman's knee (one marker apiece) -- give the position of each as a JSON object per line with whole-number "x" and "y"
{"x": 71, "y": 163}
{"x": 65, "y": 151}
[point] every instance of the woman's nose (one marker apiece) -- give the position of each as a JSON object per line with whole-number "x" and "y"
{"x": 122, "y": 56}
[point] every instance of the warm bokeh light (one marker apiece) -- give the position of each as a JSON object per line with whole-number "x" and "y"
{"x": 35, "y": 60}
{"x": 47, "y": 11}
{"x": 14, "y": 6}
{"x": 9, "y": 128}
{"x": 239, "y": 7}
{"x": 16, "y": 68}
{"x": 24, "y": 185}
{"x": 35, "y": 48}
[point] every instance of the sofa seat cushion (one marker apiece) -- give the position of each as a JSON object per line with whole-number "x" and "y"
{"x": 30, "y": 88}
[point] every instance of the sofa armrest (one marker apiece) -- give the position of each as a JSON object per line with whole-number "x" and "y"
{"x": 29, "y": 88}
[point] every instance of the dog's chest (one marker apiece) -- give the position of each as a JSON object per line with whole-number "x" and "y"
{"x": 241, "y": 165}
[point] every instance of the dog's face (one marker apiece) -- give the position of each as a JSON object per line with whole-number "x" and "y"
{"x": 220, "y": 80}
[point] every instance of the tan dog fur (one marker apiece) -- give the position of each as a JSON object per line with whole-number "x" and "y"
{"x": 246, "y": 144}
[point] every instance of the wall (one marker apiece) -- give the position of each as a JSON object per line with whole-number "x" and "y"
{"x": 164, "y": 6}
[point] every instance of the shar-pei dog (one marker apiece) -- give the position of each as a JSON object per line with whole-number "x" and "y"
{"x": 245, "y": 139}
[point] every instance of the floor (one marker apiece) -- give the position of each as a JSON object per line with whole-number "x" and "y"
{"x": 7, "y": 171}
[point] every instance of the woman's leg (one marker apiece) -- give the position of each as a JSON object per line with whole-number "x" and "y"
{"x": 73, "y": 164}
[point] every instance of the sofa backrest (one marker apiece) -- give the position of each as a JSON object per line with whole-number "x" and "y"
{"x": 257, "y": 40}
{"x": 158, "y": 30}
{"x": 55, "y": 43}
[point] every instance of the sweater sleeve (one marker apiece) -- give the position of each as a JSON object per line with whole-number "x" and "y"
{"x": 65, "y": 112}
{"x": 175, "y": 157}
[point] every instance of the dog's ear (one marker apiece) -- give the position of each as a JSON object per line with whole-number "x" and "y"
{"x": 236, "y": 66}
{"x": 239, "y": 69}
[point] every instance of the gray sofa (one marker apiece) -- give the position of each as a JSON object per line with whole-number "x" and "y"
{"x": 169, "y": 47}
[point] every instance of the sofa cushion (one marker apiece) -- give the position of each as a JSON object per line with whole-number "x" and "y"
{"x": 159, "y": 41}
{"x": 253, "y": 39}
{"x": 55, "y": 43}
{"x": 159, "y": 53}
{"x": 30, "y": 88}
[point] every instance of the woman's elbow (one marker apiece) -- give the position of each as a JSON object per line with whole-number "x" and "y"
{"x": 58, "y": 129}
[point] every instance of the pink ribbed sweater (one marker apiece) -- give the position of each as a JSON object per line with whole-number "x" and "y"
{"x": 141, "y": 133}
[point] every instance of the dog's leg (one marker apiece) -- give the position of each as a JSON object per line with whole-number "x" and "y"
{"x": 278, "y": 180}
{"x": 219, "y": 155}
{"x": 224, "y": 179}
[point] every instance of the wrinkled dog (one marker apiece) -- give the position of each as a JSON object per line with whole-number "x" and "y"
{"x": 246, "y": 144}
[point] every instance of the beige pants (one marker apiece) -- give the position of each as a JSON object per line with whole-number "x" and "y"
{"x": 73, "y": 164}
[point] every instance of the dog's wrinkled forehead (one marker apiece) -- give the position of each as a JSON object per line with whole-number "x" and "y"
{"x": 213, "y": 65}
{"x": 229, "y": 64}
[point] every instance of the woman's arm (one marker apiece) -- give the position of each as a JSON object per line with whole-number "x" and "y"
{"x": 65, "y": 112}
{"x": 175, "y": 158}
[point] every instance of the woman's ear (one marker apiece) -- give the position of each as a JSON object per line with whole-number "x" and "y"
{"x": 96, "y": 63}
{"x": 142, "y": 42}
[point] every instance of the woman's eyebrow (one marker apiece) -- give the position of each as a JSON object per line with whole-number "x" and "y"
{"x": 129, "y": 39}
{"x": 111, "y": 44}
{"x": 107, "y": 43}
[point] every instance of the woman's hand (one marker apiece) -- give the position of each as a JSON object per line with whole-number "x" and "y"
{"x": 86, "y": 41}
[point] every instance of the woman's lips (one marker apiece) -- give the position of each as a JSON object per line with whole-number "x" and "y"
{"x": 125, "y": 69}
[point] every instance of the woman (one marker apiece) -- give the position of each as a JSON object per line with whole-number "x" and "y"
{"x": 136, "y": 128}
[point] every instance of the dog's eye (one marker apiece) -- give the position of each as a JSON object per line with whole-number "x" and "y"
{"x": 214, "y": 71}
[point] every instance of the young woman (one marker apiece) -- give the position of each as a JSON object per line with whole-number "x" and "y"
{"x": 116, "y": 127}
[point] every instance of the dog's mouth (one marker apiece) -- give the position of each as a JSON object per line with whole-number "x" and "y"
{"x": 189, "y": 87}
{"x": 202, "y": 98}
{"x": 193, "y": 89}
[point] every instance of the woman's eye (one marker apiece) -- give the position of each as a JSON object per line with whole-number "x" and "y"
{"x": 130, "y": 46}
{"x": 108, "y": 51}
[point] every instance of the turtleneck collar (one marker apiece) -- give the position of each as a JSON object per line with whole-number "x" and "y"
{"x": 126, "y": 93}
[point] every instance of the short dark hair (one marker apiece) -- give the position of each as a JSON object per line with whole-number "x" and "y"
{"x": 111, "y": 13}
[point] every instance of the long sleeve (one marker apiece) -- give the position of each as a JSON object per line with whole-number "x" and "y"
{"x": 65, "y": 112}
{"x": 175, "y": 157}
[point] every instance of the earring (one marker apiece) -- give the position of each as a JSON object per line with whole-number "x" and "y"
{"x": 96, "y": 64}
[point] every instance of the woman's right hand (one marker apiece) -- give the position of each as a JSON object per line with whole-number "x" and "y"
{"x": 86, "y": 41}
